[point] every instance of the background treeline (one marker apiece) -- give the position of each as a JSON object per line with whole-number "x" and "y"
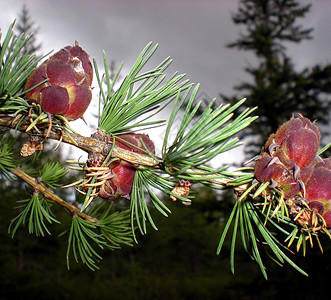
{"x": 179, "y": 260}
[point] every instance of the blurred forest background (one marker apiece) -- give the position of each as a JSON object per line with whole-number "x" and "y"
{"x": 179, "y": 260}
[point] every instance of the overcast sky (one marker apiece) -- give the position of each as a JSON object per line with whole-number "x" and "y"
{"x": 193, "y": 32}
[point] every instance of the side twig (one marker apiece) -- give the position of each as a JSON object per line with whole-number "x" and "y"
{"x": 40, "y": 187}
{"x": 87, "y": 144}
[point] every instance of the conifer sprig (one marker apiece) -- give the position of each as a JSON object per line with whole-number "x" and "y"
{"x": 116, "y": 229}
{"x": 81, "y": 242}
{"x": 51, "y": 174}
{"x": 36, "y": 211}
{"x": 15, "y": 67}
{"x": 259, "y": 223}
{"x": 140, "y": 94}
{"x": 200, "y": 138}
{"x": 7, "y": 162}
{"x": 147, "y": 179}
{"x": 111, "y": 231}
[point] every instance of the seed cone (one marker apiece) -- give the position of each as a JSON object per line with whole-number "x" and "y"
{"x": 120, "y": 182}
{"x": 68, "y": 89}
{"x": 289, "y": 155}
{"x": 290, "y": 163}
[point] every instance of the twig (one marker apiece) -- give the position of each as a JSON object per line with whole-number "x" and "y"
{"x": 90, "y": 144}
{"x": 87, "y": 144}
{"x": 49, "y": 194}
{"x": 219, "y": 181}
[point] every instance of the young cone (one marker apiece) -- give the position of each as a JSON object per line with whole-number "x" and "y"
{"x": 119, "y": 183}
{"x": 68, "y": 89}
{"x": 290, "y": 163}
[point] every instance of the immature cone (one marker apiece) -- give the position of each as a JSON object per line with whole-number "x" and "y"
{"x": 123, "y": 172}
{"x": 68, "y": 89}
{"x": 290, "y": 163}
{"x": 289, "y": 155}
{"x": 297, "y": 142}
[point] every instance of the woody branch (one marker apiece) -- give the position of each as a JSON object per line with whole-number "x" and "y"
{"x": 90, "y": 144}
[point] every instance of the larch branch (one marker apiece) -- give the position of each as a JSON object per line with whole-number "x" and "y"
{"x": 40, "y": 187}
{"x": 87, "y": 144}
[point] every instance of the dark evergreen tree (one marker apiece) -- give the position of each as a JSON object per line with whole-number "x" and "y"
{"x": 277, "y": 88}
{"x": 27, "y": 27}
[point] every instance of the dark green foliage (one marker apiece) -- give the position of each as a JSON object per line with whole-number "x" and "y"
{"x": 176, "y": 262}
{"x": 15, "y": 67}
{"x": 277, "y": 88}
{"x": 7, "y": 162}
{"x": 35, "y": 212}
{"x": 270, "y": 22}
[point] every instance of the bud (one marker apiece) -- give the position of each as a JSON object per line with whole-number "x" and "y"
{"x": 68, "y": 89}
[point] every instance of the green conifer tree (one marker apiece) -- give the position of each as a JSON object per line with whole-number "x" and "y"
{"x": 26, "y": 26}
{"x": 276, "y": 87}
